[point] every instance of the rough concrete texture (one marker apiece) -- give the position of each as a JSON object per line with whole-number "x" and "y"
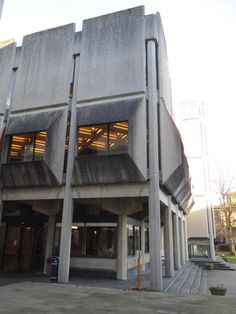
{"x": 7, "y": 55}
{"x": 163, "y": 67}
{"x": 45, "y": 69}
{"x": 174, "y": 164}
{"x": 54, "y": 298}
{"x": 27, "y": 174}
{"x": 132, "y": 110}
{"x": 48, "y": 172}
{"x": 105, "y": 169}
{"x": 112, "y": 59}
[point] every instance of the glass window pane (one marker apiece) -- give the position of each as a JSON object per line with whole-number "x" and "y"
{"x": 118, "y": 137}
{"x": 130, "y": 235}
{"x": 21, "y": 148}
{"x": 93, "y": 140}
{"x": 137, "y": 238}
{"x": 40, "y": 143}
{"x": 76, "y": 242}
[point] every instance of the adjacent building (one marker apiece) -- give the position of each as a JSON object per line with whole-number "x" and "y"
{"x": 200, "y": 221}
{"x": 92, "y": 165}
{"x": 1, "y": 6}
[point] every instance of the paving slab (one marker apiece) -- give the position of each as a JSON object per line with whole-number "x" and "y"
{"x": 30, "y": 298}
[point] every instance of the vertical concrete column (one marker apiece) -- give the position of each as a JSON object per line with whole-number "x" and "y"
{"x": 181, "y": 237}
{"x": 154, "y": 199}
{"x": 176, "y": 240}
{"x": 168, "y": 238}
{"x": 67, "y": 212}
{"x": 143, "y": 244}
{"x": 122, "y": 248}
{"x": 211, "y": 232}
{"x": 185, "y": 240}
{"x": 49, "y": 240}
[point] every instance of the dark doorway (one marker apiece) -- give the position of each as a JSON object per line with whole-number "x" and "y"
{"x": 24, "y": 248}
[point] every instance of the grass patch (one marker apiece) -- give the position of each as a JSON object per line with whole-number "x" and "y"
{"x": 231, "y": 259}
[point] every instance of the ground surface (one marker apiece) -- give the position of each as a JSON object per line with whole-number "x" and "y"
{"x": 57, "y": 298}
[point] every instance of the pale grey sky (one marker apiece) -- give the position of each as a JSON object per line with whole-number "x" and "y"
{"x": 201, "y": 44}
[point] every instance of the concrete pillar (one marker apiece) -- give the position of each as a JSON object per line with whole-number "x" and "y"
{"x": 181, "y": 237}
{"x": 154, "y": 199}
{"x": 122, "y": 248}
{"x": 211, "y": 232}
{"x": 67, "y": 212}
{"x": 49, "y": 240}
{"x": 143, "y": 244}
{"x": 176, "y": 240}
{"x": 186, "y": 240}
{"x": 168, "y": 238}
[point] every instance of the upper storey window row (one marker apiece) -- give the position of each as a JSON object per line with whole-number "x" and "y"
{"x": 103, "y": 139}
{"x": 27, "y": 147}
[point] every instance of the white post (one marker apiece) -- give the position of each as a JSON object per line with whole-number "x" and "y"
{"x": 181, "y": 236}
{"x": 176, "y": 240}
{"x": 168, "y": 238}
{"x": 154, "y": 199}
{"x": 186, "y": 240}
{"x": 122, "y": 248}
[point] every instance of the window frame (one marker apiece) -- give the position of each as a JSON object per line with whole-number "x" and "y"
{"x": 108, "y": 151}
{"x": 35, "y": 133}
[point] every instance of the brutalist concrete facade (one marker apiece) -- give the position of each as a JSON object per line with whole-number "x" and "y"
{"x": 131, "y": 202}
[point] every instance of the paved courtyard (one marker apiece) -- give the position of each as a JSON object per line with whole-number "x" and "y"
{"x": 57, "y": 298}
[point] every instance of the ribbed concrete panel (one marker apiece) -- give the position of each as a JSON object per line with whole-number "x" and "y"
{"x": 7, "y": 55}
{"x": 45, "y": 68}
{"x": 112, "y": 60}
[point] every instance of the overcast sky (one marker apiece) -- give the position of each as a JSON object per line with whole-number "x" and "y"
{"x": 201, "y": 41}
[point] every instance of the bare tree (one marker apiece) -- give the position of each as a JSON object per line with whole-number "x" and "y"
{"x": 227, "y": 206}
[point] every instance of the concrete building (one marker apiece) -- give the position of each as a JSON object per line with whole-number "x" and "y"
{"x": 200, "y": 221}
{"x": 92, "y": 168}
{"x": 1, "y": 6}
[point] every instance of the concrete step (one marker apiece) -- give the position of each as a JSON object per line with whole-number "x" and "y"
{"x": 195, "y": 288}
{"x": 178, "y": 282}
{"x": 203, "y": 289}
{"x": 217, "y": 265}
{"x": 189, "y": 281}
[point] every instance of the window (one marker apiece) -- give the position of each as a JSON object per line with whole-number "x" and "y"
{"x": 90, "y": 241}
{"x": 130, "y": 234}
{"x": 103, "y": 139}
{"x": 27, "y": 147}
{"x": 146, "y": 230}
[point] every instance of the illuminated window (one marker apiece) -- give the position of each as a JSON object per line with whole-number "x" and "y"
{"x": 27, "y": 147}
{"x": 103, "y": 139}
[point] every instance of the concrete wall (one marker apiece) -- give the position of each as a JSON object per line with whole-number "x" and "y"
{"x": 131, "y": 167}
{"x": 197, "y": 224}
{"x": 47, "y": 172}
{"x": 7, "y": 55}
{"x": 163, "y": 67}
{"x": 93, "y": 263}
{"x": 112, "y": 60}
{"x": 1, "y": 6}
{"x": 45, "y": 69}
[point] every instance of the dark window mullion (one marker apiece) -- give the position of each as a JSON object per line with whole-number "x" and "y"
{"x": 35, "y": 135}
{"x": 108, "y": 138}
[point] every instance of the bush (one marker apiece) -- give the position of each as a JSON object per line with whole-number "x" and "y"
{"x": 223, "y": 247}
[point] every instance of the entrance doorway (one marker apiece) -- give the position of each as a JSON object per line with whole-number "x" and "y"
{"x": 23, "y": 252}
